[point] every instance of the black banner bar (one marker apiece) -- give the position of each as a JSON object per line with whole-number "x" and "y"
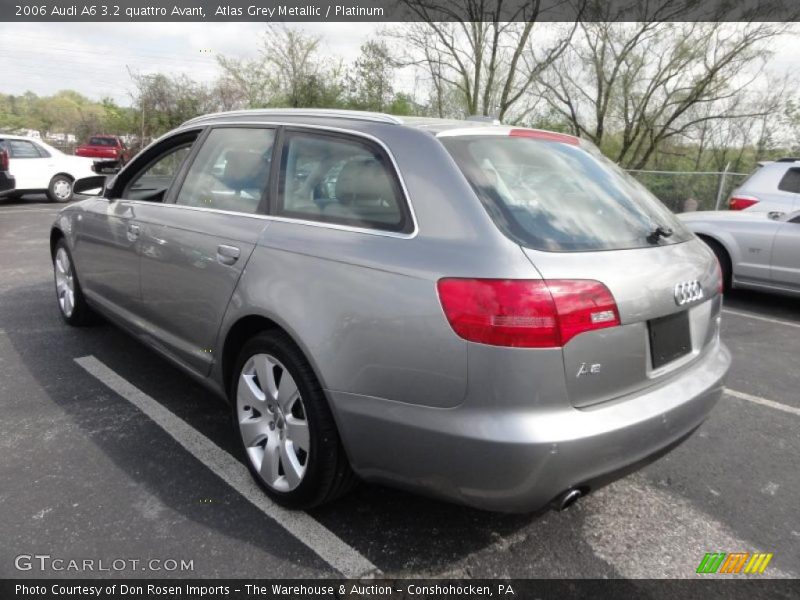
{"x": 733, "y": 588}
{"x": 397, "y": 10}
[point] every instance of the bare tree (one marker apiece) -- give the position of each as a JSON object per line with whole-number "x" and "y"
{"x": 738, "y": 139}
{"x": 244, "y": 83}
{"x": 650, "y": 82}
{"x": 288, "y": 71}
{"x": 490, "y": 63}
{"x": 166, "y": 101}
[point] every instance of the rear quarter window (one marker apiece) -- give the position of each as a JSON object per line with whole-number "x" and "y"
{"x": 340, "y": 180}
{"x": 790, "y": 182}
{"x": 559, "y": 197}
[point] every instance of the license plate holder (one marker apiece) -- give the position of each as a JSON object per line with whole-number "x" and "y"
{"x": 670, "y": 338}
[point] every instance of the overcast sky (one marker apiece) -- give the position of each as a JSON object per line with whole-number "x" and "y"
{"x": 93, "y": 58}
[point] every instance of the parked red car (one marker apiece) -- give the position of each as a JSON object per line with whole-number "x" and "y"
{"x": 105, "y": 147}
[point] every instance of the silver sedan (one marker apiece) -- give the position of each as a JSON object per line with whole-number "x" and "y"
{"x": 756, "y": 250}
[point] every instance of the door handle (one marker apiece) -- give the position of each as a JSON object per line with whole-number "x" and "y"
{"x": 133, "y": 232}
{"x": 227, "y": 255}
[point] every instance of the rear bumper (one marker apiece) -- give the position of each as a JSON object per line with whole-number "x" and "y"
{"x": 520, "y": 460}
{"x": 7, "y": 183}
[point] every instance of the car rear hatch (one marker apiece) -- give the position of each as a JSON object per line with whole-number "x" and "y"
{"x": 590, "y": 229}
{"x": 668, "y": 304}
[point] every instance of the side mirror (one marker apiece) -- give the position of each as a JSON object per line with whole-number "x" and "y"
{"x": 90, "y": 186}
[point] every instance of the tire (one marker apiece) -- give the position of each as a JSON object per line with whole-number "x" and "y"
{"x": 60, "y": 189}
{"x": 71, "y": 302}
{"x": 285, "y": 427}
{"x": 724, "y": 262}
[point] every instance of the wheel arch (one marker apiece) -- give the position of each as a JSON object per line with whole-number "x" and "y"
{"x": 711, "y": 241}
{"x": 70, "y": 176}
{"x": 244, "y": 328}
{"x": 55, "y": 235}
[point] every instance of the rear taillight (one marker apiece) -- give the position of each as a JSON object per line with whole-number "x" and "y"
{"x": 741, "y": 202}
{"x": 525, "y": 313}
{"x": 3, "y": 160}
{"x": 718, "y": 273}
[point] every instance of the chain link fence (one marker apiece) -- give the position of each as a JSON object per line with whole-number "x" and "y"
{"x": 65, "y": 148}
{"x": 684, "y": 191}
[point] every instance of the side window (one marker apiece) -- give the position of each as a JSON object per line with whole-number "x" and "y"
{"x": 152, "y": 183}
{"x": 334, "y": 180}
{"x": 790, "y": 181}
{"x": 22, "y": 149}
{"x": 231, "y": 170}
{"x": 42, "y": 152}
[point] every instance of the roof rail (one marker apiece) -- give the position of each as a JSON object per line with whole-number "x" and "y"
{"x": 327, "y": 113}
{"x": 788, "y": 159}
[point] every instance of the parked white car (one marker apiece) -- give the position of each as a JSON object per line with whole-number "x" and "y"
{"x": 38, "y": 167}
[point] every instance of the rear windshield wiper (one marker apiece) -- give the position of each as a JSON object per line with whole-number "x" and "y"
{"x": 659, "y": 232}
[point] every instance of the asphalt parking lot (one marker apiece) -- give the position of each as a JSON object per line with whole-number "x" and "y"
{"x": 124, "y": 457}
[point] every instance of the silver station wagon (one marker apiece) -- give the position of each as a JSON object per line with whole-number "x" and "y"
{"x": 493, "y": 315}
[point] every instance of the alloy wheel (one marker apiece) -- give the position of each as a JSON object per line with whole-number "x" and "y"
{"x": 273, "y": 422}
{"x": 65, "y": 282}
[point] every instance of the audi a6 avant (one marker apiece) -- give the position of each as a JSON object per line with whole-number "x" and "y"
{"x": 487, "y": 314}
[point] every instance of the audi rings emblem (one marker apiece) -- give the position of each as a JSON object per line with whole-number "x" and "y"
{"x": 688, "y": 291}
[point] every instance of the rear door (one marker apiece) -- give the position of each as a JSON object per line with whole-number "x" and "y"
{"x": 197, "y": 243}
{"x": 785, "y": 264}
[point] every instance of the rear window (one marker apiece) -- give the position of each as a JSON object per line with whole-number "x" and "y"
{"x": 102, "y": 141}
{"x": 559, "y": 197}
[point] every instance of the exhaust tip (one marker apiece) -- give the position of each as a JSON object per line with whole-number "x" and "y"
{"x": 568, "y": 498}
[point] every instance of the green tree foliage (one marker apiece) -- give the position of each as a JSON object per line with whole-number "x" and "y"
{"x": 66, "y": 112}
{"x": 369, "y": 83}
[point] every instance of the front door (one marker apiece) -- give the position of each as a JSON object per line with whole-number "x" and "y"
{"x": 109, "y": 233}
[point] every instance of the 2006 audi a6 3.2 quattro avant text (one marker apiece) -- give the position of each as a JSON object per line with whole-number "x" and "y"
{"x": 492, "y": 315}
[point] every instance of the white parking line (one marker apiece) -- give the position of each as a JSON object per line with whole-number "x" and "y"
{"x": 737, "y": 313}
{"x": 12, "y": 211}
{"x": 763, "y": 401}
{"x": 310, "y": 532}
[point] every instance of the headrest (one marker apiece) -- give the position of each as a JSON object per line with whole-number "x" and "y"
{"x": 244, "y": 168}
{"x": 363, "y": 180}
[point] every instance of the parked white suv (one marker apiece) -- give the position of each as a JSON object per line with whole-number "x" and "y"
{"x": 38, "y": 167}
{"x": 773, "y": 186}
